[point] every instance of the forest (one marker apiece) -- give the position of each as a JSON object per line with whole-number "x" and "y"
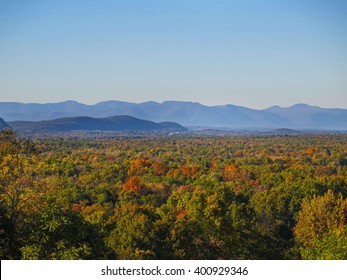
{"x": 174, "y": 197}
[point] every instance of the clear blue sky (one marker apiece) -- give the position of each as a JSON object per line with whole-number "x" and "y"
{"x": 254, "y": 53}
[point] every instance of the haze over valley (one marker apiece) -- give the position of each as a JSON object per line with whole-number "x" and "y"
{"x": 188, "y": 114}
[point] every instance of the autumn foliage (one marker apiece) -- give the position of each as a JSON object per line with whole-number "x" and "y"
{"x": 254, "y": 197}
{"x": 133, "y": 184}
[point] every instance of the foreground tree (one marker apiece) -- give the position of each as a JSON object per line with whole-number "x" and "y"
{"x": 14, "y": 185}
{"x": 62, "y": 235}
{"x": 321, "y": 230}
{"x": 133, "y": 235}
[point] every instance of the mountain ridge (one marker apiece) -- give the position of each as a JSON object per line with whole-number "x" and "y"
{"x": 188, "y": 114}
{"x": 314, "y": 117}
{"x": 85, "y": 123}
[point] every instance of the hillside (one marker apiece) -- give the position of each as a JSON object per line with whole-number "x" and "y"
{"x": 3, "y": 124}
{"x": 115, "y": 123}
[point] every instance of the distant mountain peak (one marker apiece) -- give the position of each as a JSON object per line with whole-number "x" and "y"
{"x": 181, "y": 102}
{"x": 304, "y": 116}
{"x": 70, "y": 101}
{"x": 149, "y": 103}
{"x": 303, "y": 106}
{"x": 113, "y": 102}
{"x": 295, "y": 106}
{"x": 274, "y": 107}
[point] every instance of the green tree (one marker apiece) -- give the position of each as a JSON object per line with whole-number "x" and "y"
{"x": 322, "y": 226}
{"x": 133, "y": 235}
{"x": 15, "y": 181}
{"x": 56, "y": 233}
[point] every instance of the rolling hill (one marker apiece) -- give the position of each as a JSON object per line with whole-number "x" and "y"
{"x": 115, "y": 123}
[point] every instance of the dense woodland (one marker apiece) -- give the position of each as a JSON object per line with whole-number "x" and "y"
{"x": 235, "y": 197}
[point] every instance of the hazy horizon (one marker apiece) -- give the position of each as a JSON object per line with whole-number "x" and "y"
{"x": 160, "y": 102}
{"x": 251, "y": 53}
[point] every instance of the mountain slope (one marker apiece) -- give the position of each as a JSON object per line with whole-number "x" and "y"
{"x": 306, "y": 116}
{"x": 3, "y": 124}
{"x": 115, "y": 123}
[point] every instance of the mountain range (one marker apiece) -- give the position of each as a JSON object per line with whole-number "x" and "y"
{"x": 188, "y": 114}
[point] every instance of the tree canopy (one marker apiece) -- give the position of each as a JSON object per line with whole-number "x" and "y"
{"x": 249, "y": 197}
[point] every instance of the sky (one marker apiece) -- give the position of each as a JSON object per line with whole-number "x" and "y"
{"x": 245, "y": 52}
